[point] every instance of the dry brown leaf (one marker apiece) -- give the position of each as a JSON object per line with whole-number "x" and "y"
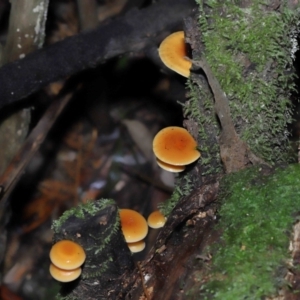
{"x": 141, "y": 136}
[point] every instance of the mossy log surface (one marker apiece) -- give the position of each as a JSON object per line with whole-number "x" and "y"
{"x": 247, "y": 248}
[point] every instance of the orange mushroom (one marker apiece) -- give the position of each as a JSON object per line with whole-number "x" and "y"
{"x": 67, "y": 255}
{"x": 172, "y": 52}
{"x": 170, "y": 168}
{"x": 64, "y": 275}
{"x": 175, "y": 146}
{"x": 137, "y": 246}
{"x": 156, "y": 220}
{"x": 134, "y": 225}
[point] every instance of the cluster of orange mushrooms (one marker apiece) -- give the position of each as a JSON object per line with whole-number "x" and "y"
{"x": 135, "y": 227}
{"x": 67, "y": 257}
{"x": 173, "y": 147}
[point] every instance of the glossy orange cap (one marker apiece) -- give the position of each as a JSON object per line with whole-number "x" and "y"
{"x": 175, "y": 146}
{"x": 172, "y": 52}
{"x": 67, "y": 255}
{"x": 156, "y": 220}
{"x": 134, "y": 225}
{"x": 64, "y": 275}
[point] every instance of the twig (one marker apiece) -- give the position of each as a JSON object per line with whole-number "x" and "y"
{"x": 31, "y": 145}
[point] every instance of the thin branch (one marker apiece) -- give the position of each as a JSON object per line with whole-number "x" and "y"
{"x": 31, "y": 145}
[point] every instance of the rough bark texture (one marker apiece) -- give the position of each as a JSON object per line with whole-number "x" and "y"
{"x": 179, "y": 245}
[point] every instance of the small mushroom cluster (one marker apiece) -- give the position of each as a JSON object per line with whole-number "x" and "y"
{"x": 67, "y": 256}
{"x": 66, "y": 260}
{"x": 174, "y": 148}
{"x": 135, "y": 227}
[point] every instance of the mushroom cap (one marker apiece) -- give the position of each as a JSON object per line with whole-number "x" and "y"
{"x": 170, "y": 168}
{"x": 156, "y": 219}
{"x": 137, "y": 246}
{"x": 172, "y": 52}
{"x": 134, "y": 225}
{"x": 67, "y": 255}
{"x": 64, "y": 275}
{"x": 175, "y": 146}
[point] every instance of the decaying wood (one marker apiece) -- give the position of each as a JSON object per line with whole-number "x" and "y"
{"x": 180, "y": 242}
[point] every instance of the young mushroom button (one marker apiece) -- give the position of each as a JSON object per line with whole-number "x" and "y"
{"x": 172, "y": 52}
{"x": 175, "y": 146}
{"x": 134, "y": 225}
{"x": 156, "y": 220}
{"x": 67, "y": 255}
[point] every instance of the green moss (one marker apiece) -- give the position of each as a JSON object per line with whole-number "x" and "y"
{"x": 199, "y": 107}
{"x": 250, "y": 52}
{"x": 255, "y": 218}
{"x": 182, "y": 188}
{"x": 80, "y": 211}
{"x": 97, "y": 248}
